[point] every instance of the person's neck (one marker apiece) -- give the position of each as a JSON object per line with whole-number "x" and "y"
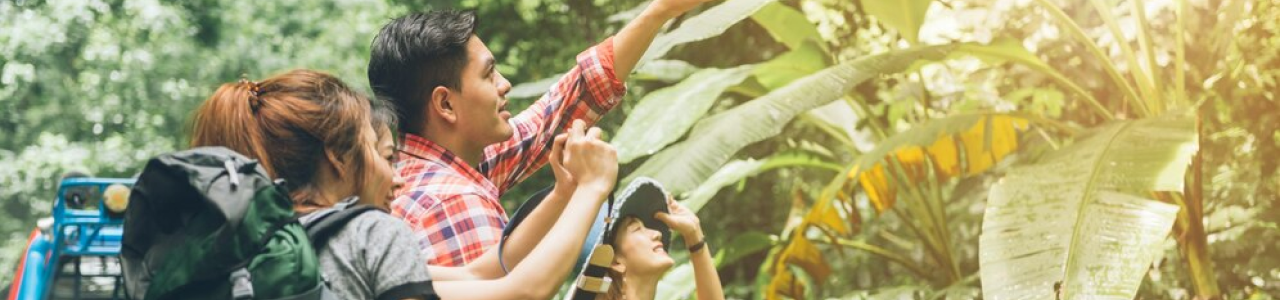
{"x": 641, "y": 287}
{"x": 327, "y": 190}
{"x": 466, "y": 149}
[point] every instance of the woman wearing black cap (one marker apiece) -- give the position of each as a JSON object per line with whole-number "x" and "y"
{"x": 641, "y": 237}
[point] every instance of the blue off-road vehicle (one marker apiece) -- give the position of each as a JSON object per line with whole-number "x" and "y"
{"x": 75, "y": 253}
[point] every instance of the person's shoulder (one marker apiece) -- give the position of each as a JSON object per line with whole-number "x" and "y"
{"x": 375, "y": 225}
{"x": 375, "y": 219}
{"x": 428, "y": 174}
{"x": 410, "y": 166}
{"x": 444, "y": 185}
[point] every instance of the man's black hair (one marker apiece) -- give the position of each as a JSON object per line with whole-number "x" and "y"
{"x": 416, "y": 53}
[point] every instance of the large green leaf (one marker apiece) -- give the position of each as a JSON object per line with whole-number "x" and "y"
{"x": 1078, "y": 224}
{"x": 710, "y": 23}
{"x": 731, "y": 173}
{"x": 714, "y": 140}
{"x": 705, "y": 25}
{"x": 629, "y": 14}
{"x": 664, "y": 115}
{"x": 533, "y": 89}
{"x": 904, "y": 16}
{"x": 840, "y": 121}
{"x": 661, "y": 70}
{"x": 787, "y": 25}
{"x": 738, "y": 170}
{"x": 1003, "y": 50}
{"x": 668, "y": 70}
{"x": 807, "y": 58}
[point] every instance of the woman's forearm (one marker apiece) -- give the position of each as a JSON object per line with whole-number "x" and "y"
{"x": 534, "y": 229}
{"x": 442, "y": 273}
{"x": 554, "y": 256}
{"x": 630, "y": 44}
{"x": 705, "y": 274}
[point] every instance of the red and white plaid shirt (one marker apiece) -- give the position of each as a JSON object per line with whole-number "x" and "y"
{"x": 453, "y": 208}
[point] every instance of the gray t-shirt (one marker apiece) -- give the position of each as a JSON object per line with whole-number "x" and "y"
{"x": 373, "y": 256}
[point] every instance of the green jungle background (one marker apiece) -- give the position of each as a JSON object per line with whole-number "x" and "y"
{"x": 906, "y": 149}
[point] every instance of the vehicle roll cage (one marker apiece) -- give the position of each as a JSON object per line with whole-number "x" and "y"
{"x": 82, "y": 227}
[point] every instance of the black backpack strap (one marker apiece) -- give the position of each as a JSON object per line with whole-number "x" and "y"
{"x": 527, "y": 208}
{"x": 522, "y": 212}
{"x": 322, "y": 228}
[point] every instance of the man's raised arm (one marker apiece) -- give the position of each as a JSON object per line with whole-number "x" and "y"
{"x": 633, "y": 40}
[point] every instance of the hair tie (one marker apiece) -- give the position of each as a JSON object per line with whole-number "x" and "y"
{"x": 255, "y": 93}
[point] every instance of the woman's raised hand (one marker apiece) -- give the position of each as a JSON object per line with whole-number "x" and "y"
{"x": 682, "y": 220}
{"x": 564, "y": 180}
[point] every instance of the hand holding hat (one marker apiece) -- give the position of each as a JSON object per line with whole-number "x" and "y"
{"x": 682, "y": 220}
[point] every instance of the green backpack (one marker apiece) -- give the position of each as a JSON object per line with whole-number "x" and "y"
{"x": 208, "y": 223}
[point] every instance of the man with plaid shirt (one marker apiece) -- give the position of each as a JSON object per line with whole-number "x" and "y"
{"x": 462, "y": 149}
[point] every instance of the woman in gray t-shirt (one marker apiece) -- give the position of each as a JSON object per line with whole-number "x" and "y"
{"x": 311, "y": 130}
{"x": 366, "y": 258}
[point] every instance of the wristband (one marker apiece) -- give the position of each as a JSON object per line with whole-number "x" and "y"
{"x": 698, "y": 246}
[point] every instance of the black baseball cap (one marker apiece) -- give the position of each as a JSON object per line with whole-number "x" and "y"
{"x": 641, "y": 200}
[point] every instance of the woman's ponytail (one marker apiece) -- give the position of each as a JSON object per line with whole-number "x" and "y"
{"x": 288, "y": 122}
{"x": 228, "y": 119}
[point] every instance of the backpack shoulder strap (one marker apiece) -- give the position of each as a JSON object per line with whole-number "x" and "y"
{"x": 324, "y": 227}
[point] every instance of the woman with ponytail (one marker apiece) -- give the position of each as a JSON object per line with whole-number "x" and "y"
{"x": 332, "y": 147}
{"x": 306, "y": 127}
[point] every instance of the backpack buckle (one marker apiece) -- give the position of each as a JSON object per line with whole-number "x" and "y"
{"x": 241, "y": 285}
{"x": 231, "y": 171}
{"x": 598, "y": 285}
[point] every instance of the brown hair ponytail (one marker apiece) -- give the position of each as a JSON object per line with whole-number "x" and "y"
{"x": 290, "y": 122}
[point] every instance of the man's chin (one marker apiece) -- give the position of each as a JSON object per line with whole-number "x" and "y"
{"x": 502, "y": 136}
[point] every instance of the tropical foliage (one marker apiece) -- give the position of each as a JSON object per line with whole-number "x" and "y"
{"x": 913, "y": 149}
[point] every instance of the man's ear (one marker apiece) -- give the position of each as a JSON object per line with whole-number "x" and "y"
{"x": 441, "y": 103}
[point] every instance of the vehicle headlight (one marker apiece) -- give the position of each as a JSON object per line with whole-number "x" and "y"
{"x": 116, "y": 198}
